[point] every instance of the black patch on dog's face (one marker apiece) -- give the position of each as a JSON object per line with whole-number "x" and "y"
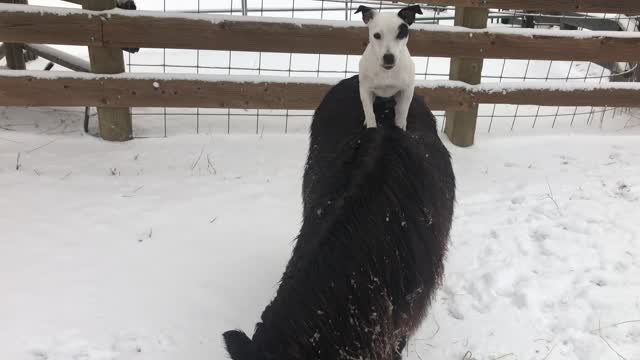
{"x": 403, "y": 31}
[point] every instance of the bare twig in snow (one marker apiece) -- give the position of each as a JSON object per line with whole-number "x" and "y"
{"x": 67, "y": 175}
{"x": 607, "y": 342}
{"x": 36, "y": 172}
{"x": 549, "y": 353}
{"x": 213, "y": 220}
{"x": 41, "y": 146}
{"x": 550, "y": 197}
{"x": 468, "y": 356}
{"x": 132, "y": 194}
{"x": 504, "y": 356}
{"x": 437, "y": 329}
{"x": 542, "y": 340}
{"x": 615, "y": 325}
{"x": 18, "y": 166}
{"x": 210, "y": 166}
{"x": 195, "y": 163}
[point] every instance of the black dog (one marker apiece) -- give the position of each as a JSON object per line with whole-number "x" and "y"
{"x": 378, "y": 205}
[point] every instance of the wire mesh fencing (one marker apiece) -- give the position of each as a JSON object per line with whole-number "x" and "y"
{"x": 153, "y": 122}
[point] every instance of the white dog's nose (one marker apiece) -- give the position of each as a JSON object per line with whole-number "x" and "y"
{"x": 388, "y": 61}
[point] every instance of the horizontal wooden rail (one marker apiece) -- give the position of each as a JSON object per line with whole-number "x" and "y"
{"x": 122, "y": 29}
{"x": 20, "y": 88}
{"x": 594, "y": 6}
{"x": 51, "y": 26}
{"x": 629, "y": 7}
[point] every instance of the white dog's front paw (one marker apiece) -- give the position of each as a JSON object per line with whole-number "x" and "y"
{"x": 370, "y": 123}
{"x": 402, "y": 123}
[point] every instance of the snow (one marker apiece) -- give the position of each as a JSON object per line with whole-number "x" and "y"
{"x": 548, "y": 85}
{"x": 53, "y": 75}
{"x": 213, "y": 19}
{"x": 150, "y": 249}
{"x": 42, "y": 10}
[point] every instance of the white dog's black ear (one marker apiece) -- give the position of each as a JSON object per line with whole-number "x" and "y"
{"x": 408, "y": 14}
{"x": 367, "y": 13}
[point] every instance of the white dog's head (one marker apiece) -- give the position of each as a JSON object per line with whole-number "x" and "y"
{"x": 388, "y": 32}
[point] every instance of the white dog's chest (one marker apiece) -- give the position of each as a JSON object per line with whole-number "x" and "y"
{"x": 388, "y": 83}
{"x": 385, "y": 90}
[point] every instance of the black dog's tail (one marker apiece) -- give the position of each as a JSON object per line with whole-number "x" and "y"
{"x": 239, "y": 346}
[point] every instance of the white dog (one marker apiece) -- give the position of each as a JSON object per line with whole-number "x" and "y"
{"x": 386, "y": 67}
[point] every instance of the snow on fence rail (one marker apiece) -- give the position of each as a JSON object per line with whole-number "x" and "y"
{"x": 629, "y": 7}
{"x": 121, "y": 29}
{"x": 35, "y": 88}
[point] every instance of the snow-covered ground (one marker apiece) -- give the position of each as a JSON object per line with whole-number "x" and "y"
{"x": 150, "y": 249}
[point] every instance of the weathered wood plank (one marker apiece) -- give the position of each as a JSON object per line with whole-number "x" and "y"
{"x": 139, "y": 90}
{"x": 426, "y": 40}
{"x": 152, "y": 30}
{"x": 42, "y": 25}
{"x": 628, "y": 7}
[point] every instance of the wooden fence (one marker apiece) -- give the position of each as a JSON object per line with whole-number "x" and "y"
{"x": 32, "y": 24}
{"x": 273, "y": 92}
{"x": 114, "y": 29}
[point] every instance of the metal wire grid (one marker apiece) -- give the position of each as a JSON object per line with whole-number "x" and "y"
{"x": 626, "y": 23}
{"x": 230, "y": 120}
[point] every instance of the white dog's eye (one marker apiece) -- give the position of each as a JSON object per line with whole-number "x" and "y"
{"x": 377, "y": 36}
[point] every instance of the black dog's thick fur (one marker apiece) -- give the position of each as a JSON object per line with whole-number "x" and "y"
{"x": 378, "y": 205}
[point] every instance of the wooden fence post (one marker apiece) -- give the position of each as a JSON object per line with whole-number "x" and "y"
{"x": 14, "y": 52}
{"x": 114, "y": 123}
{"x": 461, "y": 125}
